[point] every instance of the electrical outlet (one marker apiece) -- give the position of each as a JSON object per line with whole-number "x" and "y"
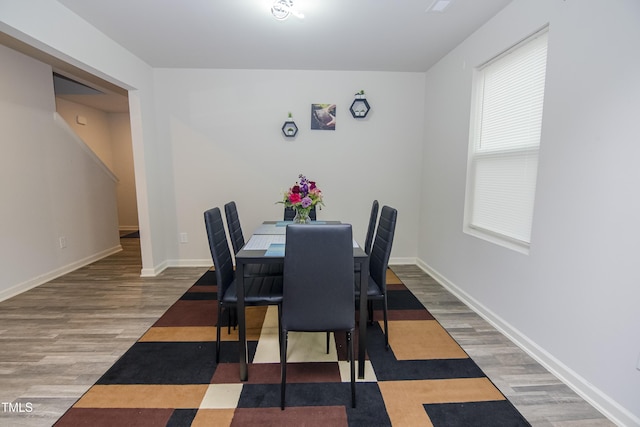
{"x": 184, "y": 238}
{"x": 62, "y": 241}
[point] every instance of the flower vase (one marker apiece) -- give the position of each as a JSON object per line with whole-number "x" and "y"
{"x": 302, "y": 216}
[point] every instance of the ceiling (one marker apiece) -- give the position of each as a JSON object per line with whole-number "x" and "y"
{"x": 357, "y": 35}
{"x": 361, "y": 35}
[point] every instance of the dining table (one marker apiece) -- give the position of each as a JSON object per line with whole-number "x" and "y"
{"x": 267, "y": 245}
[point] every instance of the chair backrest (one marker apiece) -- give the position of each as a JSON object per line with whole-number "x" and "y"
{"x": 318, "y": 293}
{"x": 233, "y": 224}
{"x": 219, "y": 250}
{"x": 381, "y": 251}
{"x": 289, "y": 213}
{"x": 373, "y": 219}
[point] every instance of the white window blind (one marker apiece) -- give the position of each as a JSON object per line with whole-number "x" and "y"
{"x": 504, "y": 142}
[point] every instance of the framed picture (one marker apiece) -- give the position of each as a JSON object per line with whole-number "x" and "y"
{"x": 323, "y": 116}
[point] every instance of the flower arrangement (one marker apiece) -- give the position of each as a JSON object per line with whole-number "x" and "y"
{"x": 302, "y": 197}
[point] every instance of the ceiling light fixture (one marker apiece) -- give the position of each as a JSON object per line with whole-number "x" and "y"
{"x": 439, "y": 5}
{"x": 282, "y": 9}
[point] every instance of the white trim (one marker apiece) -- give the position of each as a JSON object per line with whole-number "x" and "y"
{"x": 190, "y": 262}
{"x": 208, "y": 263}
{"x": 403, "y": 261}
{"x": 153, "y": 272}
{"x": 594, "y": 396}
{"x": 61, "y": 271}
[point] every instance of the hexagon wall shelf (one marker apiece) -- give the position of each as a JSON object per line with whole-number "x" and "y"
{"x": 360, "y": 107}
{"x": 289, "y": 129}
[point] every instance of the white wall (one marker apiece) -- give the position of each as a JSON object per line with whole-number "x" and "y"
{"x": 123, "y": 167}
{"x": 96, "y": 133}
{"x": 573, "y": 301}
{"x": 224, "y": 130}
{"x": 109, "y": 136}
{"x": 53, "y": 29}
{"x": 51, "y": 187}
{"x": 562, "y": 301}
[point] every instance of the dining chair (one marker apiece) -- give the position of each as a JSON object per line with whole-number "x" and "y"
{"x": 378, "y": 265}
{"x": 318, "y": 288}
{"x": 237, "y": 242}
{"x": 289, "y": 213}
{"x": 373, "y": 219}
{"x": 263, "y": 290}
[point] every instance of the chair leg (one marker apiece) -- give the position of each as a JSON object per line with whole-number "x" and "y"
{"x": 228, "y": 321}
{"x": 218, "y": 333}
{"x": 283, "y": 367}
{"x": 353, "y": 369}
{"x": 279, "y": 325}
{"x": 328, "y": 339}
{"x": 386, "y": 326}
{"x": 370, "y": 311}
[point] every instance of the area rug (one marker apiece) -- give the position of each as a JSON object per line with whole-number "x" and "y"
{"x": 170, "y": 377}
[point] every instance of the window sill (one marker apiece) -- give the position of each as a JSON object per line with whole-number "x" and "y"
{"x": 498, "y": 239}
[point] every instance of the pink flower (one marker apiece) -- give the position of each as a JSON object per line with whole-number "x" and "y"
{"x": 294, "y": 198}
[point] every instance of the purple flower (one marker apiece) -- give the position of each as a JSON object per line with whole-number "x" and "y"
{"x": 306, "y": 202}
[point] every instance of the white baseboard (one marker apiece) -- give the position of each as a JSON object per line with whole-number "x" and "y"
{"x": 153, "y": 272}
{"x": 599, "y": 400}
{"x": 402, "y": 261}
{"x": 48, "y": 276}
{"x": 190, "y": 262}
{"x": 209, "y": 263}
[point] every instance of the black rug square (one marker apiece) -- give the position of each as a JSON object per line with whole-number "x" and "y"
{"x": 499, "y": 413}
{"x": 369, "y": 411}
{"x": 182, "y": 417}
{"x": 403, "y": 300}
{"x": 164, "y": 363}
{"x": 207, "y": 279}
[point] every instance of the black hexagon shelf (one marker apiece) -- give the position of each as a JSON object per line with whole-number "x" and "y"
{"x": 359, "y": 108}
{"x": 289, "y": 129}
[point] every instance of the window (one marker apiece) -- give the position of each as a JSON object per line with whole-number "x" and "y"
{"x": 506, "y": 122}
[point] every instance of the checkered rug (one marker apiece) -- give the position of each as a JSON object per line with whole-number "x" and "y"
{"x": 170, "y": 377}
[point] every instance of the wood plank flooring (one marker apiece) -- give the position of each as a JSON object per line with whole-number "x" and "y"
{"x": 539, "y": 396}
{"x": 56, "y": 340}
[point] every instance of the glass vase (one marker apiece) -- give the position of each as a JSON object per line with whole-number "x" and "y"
{"x": 302, "y": 216}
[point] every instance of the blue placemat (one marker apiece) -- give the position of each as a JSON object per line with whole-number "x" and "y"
{"x": 285, "y": 223}
{"x": 275, "y": 249}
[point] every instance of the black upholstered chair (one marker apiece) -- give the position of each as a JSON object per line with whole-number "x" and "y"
{"x": 265, "y": 290}
{"x": 237, "y": 242}
{"x": 373, "y": 219}
{"x": 289, "y": 213}
{"x": 368, "y": 241}
{"x": 318, "y": 288}
{"x": 378, "y": 264}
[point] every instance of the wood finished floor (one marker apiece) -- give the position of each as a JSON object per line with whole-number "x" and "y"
{"x": 56, "y": 340}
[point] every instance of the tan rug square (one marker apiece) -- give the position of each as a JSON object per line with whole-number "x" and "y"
{"x": 213, "y": 417}
{"x": 143, "y": 396}
{"x": 404, "y": 399}
{"x": 392, "y": 279}
{"x": 422, "y": 339}
{"x": 180, "y": 334}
